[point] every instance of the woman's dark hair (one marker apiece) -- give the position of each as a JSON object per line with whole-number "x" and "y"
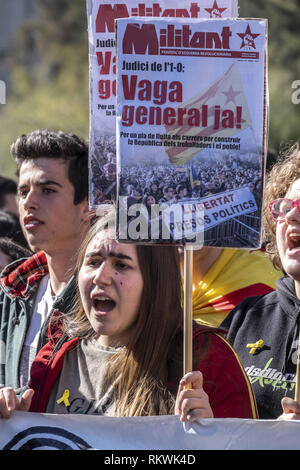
{"x": 145, "y": 200}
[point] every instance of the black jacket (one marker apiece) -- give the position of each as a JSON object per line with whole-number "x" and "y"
{"x": 271, "y": 368}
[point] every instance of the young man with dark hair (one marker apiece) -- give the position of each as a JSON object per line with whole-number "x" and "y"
{"x": 54, "y": 215}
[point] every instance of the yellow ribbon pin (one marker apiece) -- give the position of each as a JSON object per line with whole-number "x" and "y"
{"x": 255, "y": 346}
{"x": 64, "y": 398}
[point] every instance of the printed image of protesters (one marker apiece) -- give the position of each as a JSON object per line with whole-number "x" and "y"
{"x": 103, "y": 171}
{"x": 106, "y": 184}
{"x": 206, "y": 180}
{"x": 198, "y": 180}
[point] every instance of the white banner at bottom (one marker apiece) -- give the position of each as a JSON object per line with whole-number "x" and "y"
{"x": 37, "y": 431}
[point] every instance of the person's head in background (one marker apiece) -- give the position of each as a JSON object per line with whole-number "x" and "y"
{"x": 169, "y": 192}
{"x": 8, "y": 195}
{"x": 11, "y": 251}
{"x": 10, "y": 227}
{"x": 282, "y": 215}
{"x": 181, "y": 191}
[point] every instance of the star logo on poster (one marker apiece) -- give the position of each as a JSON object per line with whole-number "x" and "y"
{"x": 231, "y": 95}
{"x": 248, "y": 39}
{"x": 215, "y": 11}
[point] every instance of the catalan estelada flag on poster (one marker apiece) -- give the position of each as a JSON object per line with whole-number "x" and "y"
{"x": 221, "y": 110}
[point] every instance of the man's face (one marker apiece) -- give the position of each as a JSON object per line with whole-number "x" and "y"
{"x": 48, "y": 216}
{"x": 110, "y": 175}
{"x": 110, "y": 171}
{"x": 136, "y": 194}
{"x": 183, "y": 193}
{"x": 169, "y": 194}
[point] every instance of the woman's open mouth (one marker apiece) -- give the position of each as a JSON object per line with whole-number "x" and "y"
{"x": 103, "y": 304}
{"x": 293, "y": 241}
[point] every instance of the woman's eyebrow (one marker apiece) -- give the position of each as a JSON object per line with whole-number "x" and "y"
{"x": 111, "y": 254}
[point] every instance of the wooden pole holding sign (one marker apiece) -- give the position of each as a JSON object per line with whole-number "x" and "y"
{"x": 188, "y": 311}
{"x": 297, "y": 388}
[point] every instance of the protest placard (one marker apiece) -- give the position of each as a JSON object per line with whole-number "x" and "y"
{"x": 102, "y": 62}
{"x": 191, "y": 130}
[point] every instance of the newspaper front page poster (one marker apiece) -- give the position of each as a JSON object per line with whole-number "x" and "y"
{"x": 102, "y": 66}
{"x": 191, "y": 130}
